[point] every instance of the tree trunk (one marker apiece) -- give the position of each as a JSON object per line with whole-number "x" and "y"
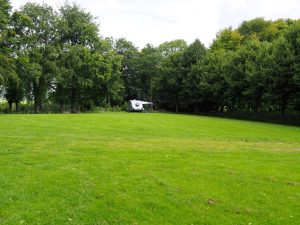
{"x": 17, "y": 106}
{"x": 36, "y": 106}
{"x": 195, "y": 108}
{"x": 109, "y": 100}
{"x": 233, "y": 105}
{"x": 10, "y": 106}
{"x": 37, "y": 100}
{"x": 221, "y": 109}
{"x": 257, "y": 105}
{"x": 283, "y": 107}
{"x": 61, "y": 107}
{"x": 79, "y": 106}
{"x": 73, "y": 100}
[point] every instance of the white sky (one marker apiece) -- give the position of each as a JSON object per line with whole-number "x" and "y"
{"x": 157, "y": 21}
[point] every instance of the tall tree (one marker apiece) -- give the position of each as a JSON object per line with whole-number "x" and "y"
{"x": 170, "y": 47}
{"x": 35, "y": 26}
{"x": 207, "y": 81}
{"x": 169, "y": 85}
{"x": 77, "y": 27}
{"x": 236, "y": 78}
{"x": 114, "y": 86}
{"x": 191, "y": 55}
{"x": 107, "y": 86}
{"x": 258, "y": 26}
{"x": 264, "y": 30}
{"x": 75, "y": 74}
{"x": 148, "y": 71}
{"x": 257, "y": 59}
{"x": 227, "y": 39}
{"x": 13, "y": 88}
{"x": 282, "y": 85}
{"x": 4, "y": 22}
{"x": 78, "y": 36}
{"x": 293, "y": 37}
{"x": 130, "y": 56}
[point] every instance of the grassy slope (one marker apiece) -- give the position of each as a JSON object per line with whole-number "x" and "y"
{"x": 121, "y": 168}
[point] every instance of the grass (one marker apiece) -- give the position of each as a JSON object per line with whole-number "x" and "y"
{"x": 122, "y": 168}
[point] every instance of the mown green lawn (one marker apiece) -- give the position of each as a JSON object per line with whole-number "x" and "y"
{"x": 127, "y": 168}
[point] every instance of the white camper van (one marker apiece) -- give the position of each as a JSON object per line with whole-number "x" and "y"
{"x": 137, "y": 105}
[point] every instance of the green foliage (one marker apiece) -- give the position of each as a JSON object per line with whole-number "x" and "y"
{"x": 262, "y": 74}
{"x": 293, "y": 37}
{"x": 139, "y": 69}
{"x": 35, "y": 34}
{"x": 191, "y": 55}
{"x": 58, "y": 57}
{"x": 82, "y": 64}
{"x": 77, "y": 27}
{"x": 207, "y": 81}
{"x": 107, "y": 84}
{"x": 227, "y": 39}
{"x": 4, "y": 15}
{"x": 6, "y": 68}
{"x": 257, "y": 70}
{"x": 282, "y": 84}
{"x": 148, "y": 65}
{"x": 170, "y": 82}
{"x": 258, "y": 27}
{"x": 5, "y": 65}
{"x": 264, "y": 30}
{"x": 170, "y": 47}
{"x": 171, "y": 86}
{"x": 130, "y": 56}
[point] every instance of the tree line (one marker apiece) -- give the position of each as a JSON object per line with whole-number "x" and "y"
{"x": 59, "y": 57}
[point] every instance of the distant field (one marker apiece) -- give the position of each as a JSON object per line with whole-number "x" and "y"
{"x": 127, "y": 168}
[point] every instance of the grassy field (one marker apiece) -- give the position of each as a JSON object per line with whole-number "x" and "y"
{"x": 126, "y": 168}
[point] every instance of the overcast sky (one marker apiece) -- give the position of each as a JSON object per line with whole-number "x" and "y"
{"x": 157, "y": 21}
